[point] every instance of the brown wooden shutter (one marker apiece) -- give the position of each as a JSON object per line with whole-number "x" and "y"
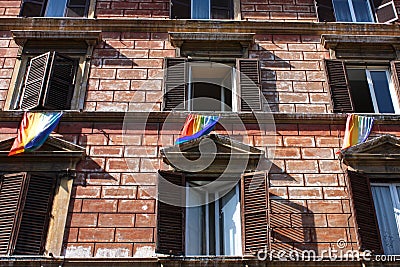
{"x": 11, "y": 190}
{"x": 171, "y": 218}
{"x": 49, "y": 83}
{"x": 339, "y": 88}
{"x": 32, "y": 8}
{"x": 255, "y": 215}
{"x": 364, "y": 212}
{"x": 35, "y": 215}
{"x": 180, "y": 9}
{"x": 58, "y": 94}
{"x": 249, "y": 84}
{"x": 325, "y": 11}
{"x": 221, "y": 9}
{"x": 175, "y": 83}
{"x": 77, "y": 8}
{"x": 385, "y": 11}
{"x": 35, "y": 81}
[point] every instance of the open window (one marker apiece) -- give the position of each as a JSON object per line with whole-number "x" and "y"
{"x": 356, "y": 11}
{"x": 373, "y": 180}
{"x": 202, "y": 9}
{"x": 212, "y": 86}
{"x": 54, "y": 8}
{"x": 363, "y": 88}
{"x": 202, "y": 213}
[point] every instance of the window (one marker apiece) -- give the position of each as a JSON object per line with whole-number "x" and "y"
{"x": 54, "y": 8}
{"x": 387, "y": 208}
{"x": 362, "y": 89}
{"x": 202, "y": 9}
{"x": 26, "y": 200}
{"x": 49, "y": 82}
{"x": 234, "y": 224}
{"x": 211, "y": 86}
{"x": 356, "y": 11}
{"x": 213, "y": 221}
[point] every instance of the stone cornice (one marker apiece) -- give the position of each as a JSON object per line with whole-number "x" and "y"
{"x": 246, "y": 117}
{"x": 169, "y": 25}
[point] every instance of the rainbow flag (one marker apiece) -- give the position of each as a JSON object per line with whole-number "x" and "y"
{"x": 34, "y": 129}
{"x": 196, "y": 126}
{"x": 358, "y": 129}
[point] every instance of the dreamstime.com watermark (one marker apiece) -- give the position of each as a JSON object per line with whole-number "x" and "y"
{"x": 331, "y": 254}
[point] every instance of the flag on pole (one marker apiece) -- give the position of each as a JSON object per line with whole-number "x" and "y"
{"x": 358, "y": 129}
{"x": 34, "y": 129}
{"x": 196, "y": 126}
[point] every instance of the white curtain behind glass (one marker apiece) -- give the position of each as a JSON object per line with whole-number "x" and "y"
{"x": 200, "y": 9}
{"x": 388, "y": 218}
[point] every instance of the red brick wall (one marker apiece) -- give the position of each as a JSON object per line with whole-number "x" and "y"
{"x": 112, "y": 209}
{"x": 8, "y": 54}
{"x": 9, "y": 8}
{"x": 303, "y": 10}
{"x": 132, "y": 8}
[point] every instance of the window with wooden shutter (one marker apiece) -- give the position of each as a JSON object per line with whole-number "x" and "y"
{"x": 385, "y": 11}
{"x": 35, "y": 214}
{"x": 338, "y": 86}
{"x": 33, "y": 8}
{"x": 77, "y": 8}
{"x": 171, "y": 214}
{"x": 325, "y": 10}
{"x": 395, "y": 68}
{"x": 249, "y": 84}
{"x": 49, "y": 83}
{"x": 25, "y": 203}
{"x": 11, "y": 190}
{"x": 364, "y": 212}
{"x": 255, "y": 206}
{"x": 175, "y": 83}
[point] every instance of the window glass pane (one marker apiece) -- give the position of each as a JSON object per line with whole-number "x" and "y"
{"x": 195, "y": 223}
{"x": 180, "y": 9}
{"x": 200, "y": 9}
{"x": 360, "y": 90}
{"x": 362, "y": 11}
{"x": 388, "y": 227}
{"x": 230, "y": 210}
{"x": 342, "y": 10}
{"x": 382, "y": 92}
{"x": 55, "y": 8}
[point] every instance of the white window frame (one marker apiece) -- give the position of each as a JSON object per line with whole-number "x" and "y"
{"x": 353, "y": 14}
{"x": 234, "y": 92}
{"x": 207, "y": 225}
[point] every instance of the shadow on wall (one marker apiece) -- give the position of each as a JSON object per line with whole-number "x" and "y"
{"x": 269, "y": 63}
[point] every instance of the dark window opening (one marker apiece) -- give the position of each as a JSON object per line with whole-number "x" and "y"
{"x": 54, "y": 8}
{"x": 201, "y": 9}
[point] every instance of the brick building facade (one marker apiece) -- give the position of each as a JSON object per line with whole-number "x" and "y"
{"x": 108, "y": 149}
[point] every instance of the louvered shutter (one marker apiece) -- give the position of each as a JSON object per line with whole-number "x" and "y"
{"x": 32, "y": 8}
{"x": 35, "y": 215}
{"x": 180, "y": 9}
{"x": 364, "y": 212}
{"x": 339, "y": 88}
{"x": 175, "y": 83}
{"x": 35, "y": 81}
{"x": 221, "y": 9}
{"x": 255, "y": 215}
{"x": 77, "y": 8}
{"x": 171, "y": 217}
{"x": 385, "y": 11}
{"x": 395, "y": 68}
{"x": 249, "y": 84}
{"x": 11, "y": 190}
{"x": 59, "y": 91}
{"x": 325, "y": 11}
